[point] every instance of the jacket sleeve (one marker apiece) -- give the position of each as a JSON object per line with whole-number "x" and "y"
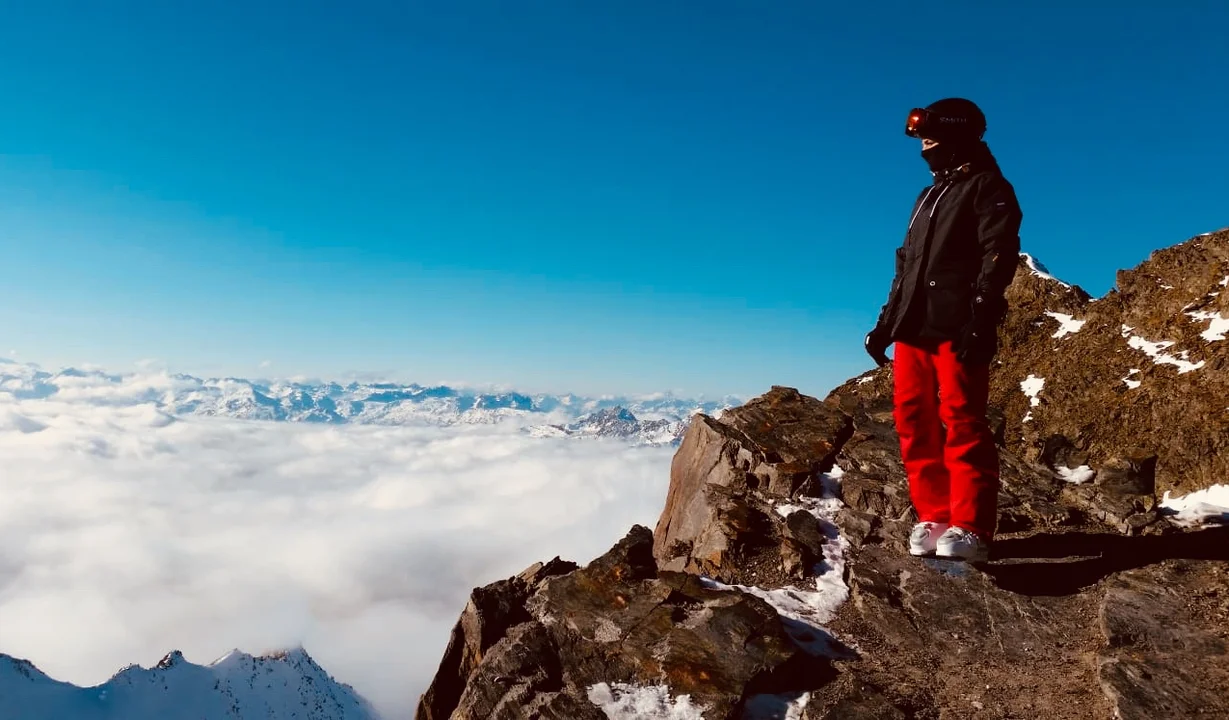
{"x": 998, "y": 235}
{"x": 900, "y": 264}
{"x": 900, "y": 271}
{"x": 891, "y": 294}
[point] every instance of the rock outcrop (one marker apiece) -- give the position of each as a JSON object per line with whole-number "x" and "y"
{"x": 541, "y": 644}
{"x": 777, "y": 583}
{"x": 719, "y": 519}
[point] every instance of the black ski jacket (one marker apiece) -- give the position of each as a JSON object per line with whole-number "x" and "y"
{"x": 963, "y": 241}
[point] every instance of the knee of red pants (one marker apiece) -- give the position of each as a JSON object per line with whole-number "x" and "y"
{"x": 915, "y": 424}
{"x": 970, "y": 441}
{"x": 916, "y": 414}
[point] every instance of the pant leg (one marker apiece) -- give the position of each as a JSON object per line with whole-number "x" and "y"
{"x": 970, "y": 455}
{"x": 916, "y": 399}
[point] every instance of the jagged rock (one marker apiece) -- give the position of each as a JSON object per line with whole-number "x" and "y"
{"x": 1128, "y": 514}
{"x": 876, "y": 497}
{"x": 719, "y": 518}
{"x": 859, "y": 528}
{"x": 802, "y": 544}
{"x": 618, "y": 620}
{"x": 538, "y": 572}
{"x": 1131, "y": 475}
{"x": 490, "y": 613}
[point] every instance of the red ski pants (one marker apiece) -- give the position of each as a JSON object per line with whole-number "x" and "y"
{"x": 945, "y": 439}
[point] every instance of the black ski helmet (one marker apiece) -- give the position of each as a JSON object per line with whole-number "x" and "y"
{"x": 947, "y": 119}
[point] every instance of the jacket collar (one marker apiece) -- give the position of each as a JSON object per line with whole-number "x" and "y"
{"x": 953, "y": 174}
{"x": 983, "y": 162}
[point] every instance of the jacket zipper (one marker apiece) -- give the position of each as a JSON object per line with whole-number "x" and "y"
{"x": 920, "y": 206}
{"x": 946, "y": 187}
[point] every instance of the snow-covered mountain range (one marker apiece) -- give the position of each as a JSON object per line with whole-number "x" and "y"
{"x": 619, "y": 422}
{"x": 653, "y": 419}
{"x": 280, "y": 686}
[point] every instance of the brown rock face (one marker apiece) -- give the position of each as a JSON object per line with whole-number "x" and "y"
{"x": 1175, "y": 413}
{"x": 719, "y": 519}
{"x": 491, "y": 612}
{"x": 535, "y": 646}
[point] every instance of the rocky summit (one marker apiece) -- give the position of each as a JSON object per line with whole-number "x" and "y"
{"x": 777, "y": 583}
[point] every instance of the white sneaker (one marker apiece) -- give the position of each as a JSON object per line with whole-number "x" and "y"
{"x": 925, "y": 536}
{"x": 960, "y": 544}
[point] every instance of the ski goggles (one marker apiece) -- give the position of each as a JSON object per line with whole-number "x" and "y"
{"x": 929, "y": 124}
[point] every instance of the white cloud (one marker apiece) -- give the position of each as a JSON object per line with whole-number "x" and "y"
{"x": 125, "y": 532}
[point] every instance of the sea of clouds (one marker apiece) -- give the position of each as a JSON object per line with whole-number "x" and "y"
{"x": 126, "y": 532}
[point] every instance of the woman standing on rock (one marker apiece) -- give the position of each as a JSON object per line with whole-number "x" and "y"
{"x": 959, "y": 255}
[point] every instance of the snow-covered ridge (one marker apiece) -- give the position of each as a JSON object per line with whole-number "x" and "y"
{"x": 354, "y": 402}
{"x": 1036, "y": 268}
{"x": 279, "y": 686}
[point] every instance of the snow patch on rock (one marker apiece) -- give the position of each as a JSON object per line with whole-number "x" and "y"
{"x": 806, "y": 611}
{"x": 1076, "y": 476}
{"x": 1031, "y": 386}
{"x": 1217, "y": 328}
{"x": 631, "y": 702}
{"x": 1155, "y": 350}
{"x": 1209, "y": 506}
{"x": 1067, "y": 325}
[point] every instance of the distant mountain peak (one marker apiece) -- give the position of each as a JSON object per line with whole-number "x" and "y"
{"x": 618, "y": 412}
{"x": 171, "y": 659}
{"x": 281, "y": 685}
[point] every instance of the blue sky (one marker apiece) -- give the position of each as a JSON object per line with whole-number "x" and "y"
{"x": 620, "y": 197}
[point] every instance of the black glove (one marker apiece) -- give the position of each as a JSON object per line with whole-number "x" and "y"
{"x": 979, "y": 339}
{"x": 877, "y": 342}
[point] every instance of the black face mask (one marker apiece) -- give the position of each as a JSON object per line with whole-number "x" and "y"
{"x": 950, "y": 154}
